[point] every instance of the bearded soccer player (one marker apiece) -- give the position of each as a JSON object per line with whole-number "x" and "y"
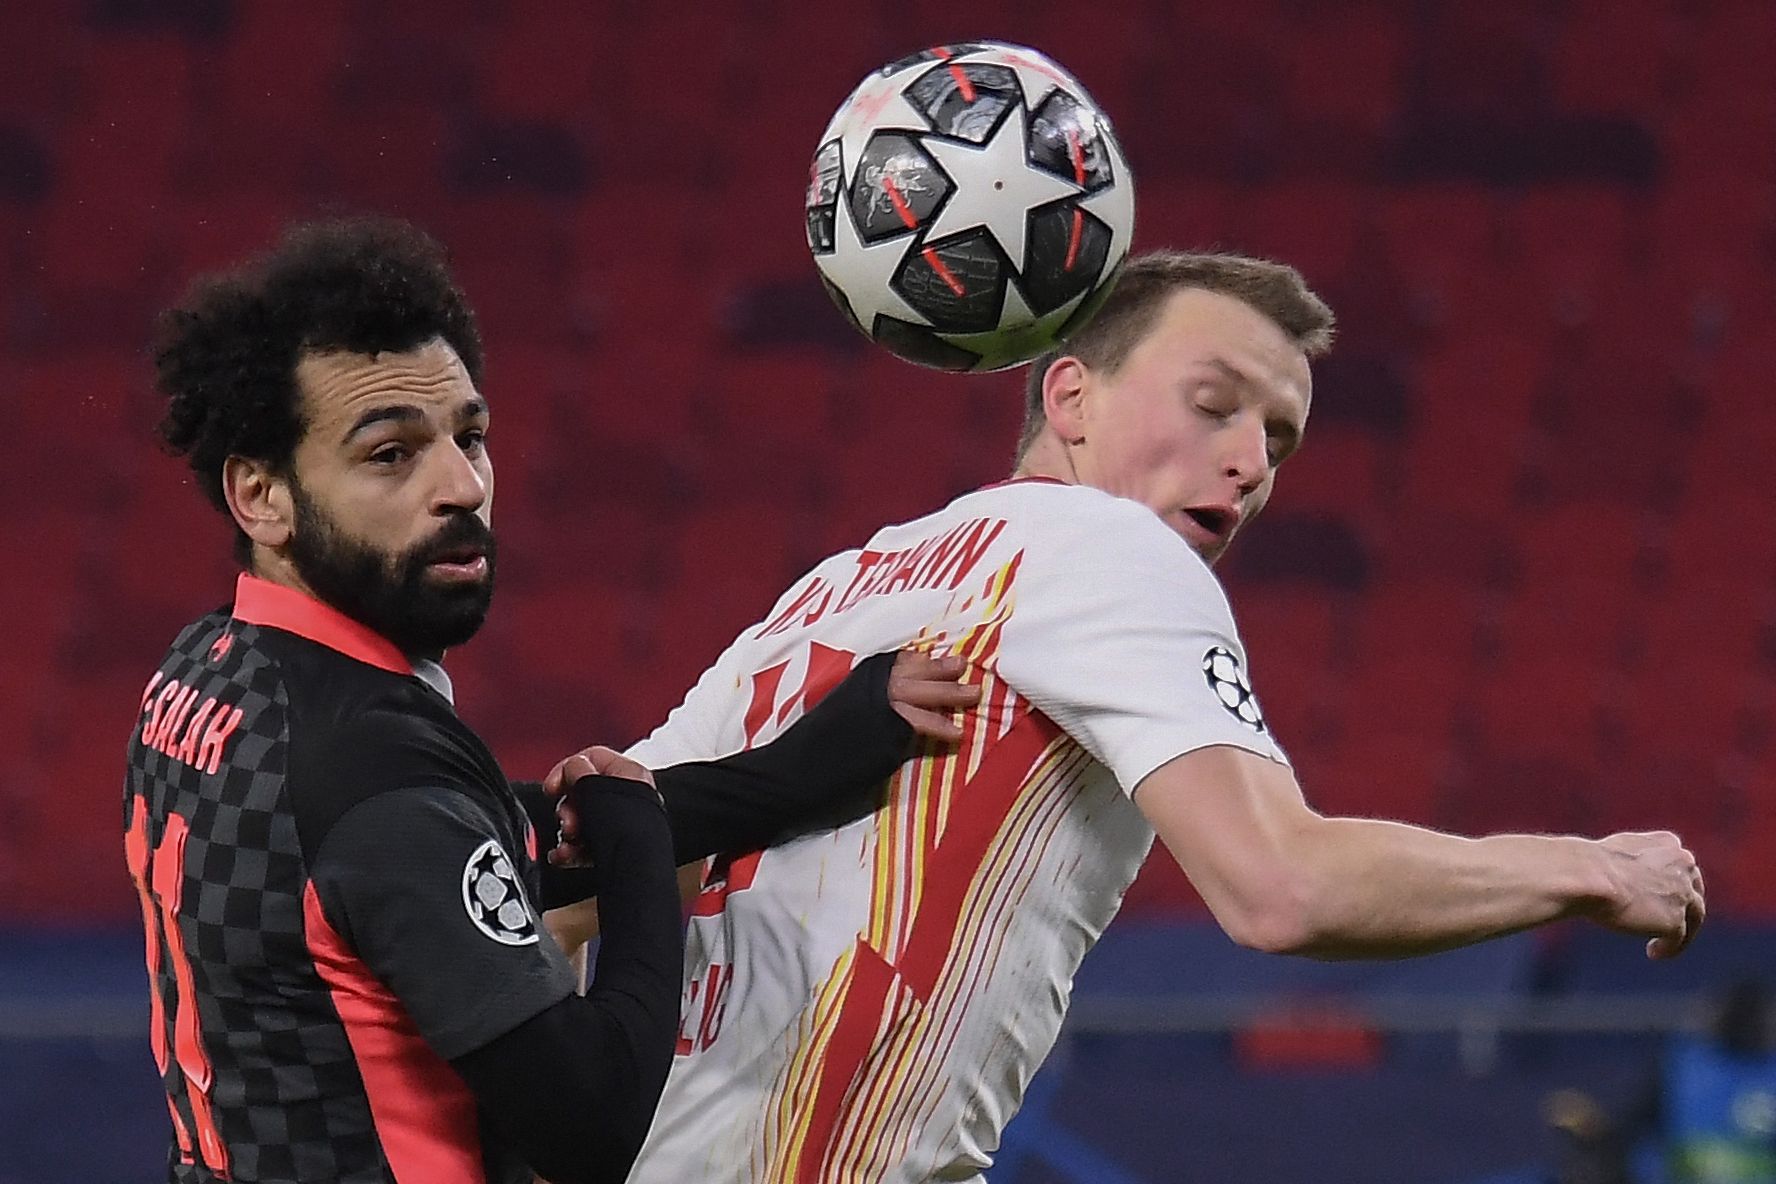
{"x": 870, "y": 1003}
{"x": 349, "y": 981}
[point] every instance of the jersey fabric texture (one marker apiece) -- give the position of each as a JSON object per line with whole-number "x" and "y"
{"x": 869, "y": 1003}
{"x": 337, "y": 890}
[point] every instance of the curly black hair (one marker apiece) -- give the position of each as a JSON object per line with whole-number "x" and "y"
{"x": 225, "y": 360}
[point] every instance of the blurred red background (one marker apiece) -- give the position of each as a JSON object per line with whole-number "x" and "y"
{"x": 1522, "y": 574}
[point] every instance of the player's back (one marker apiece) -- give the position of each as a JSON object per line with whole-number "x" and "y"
{"x": 869, "y": 1003}
{"x": 279, "y": 1051}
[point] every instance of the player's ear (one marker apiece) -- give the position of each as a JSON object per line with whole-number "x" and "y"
{"x": 259, "y": 500}
{"x": 1063, "y": 398}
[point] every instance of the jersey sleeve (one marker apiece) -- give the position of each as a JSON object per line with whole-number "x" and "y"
{"x": 420, "y": 885}
{"x": 695, "y": 729}
{"x": 1123, "y": 637}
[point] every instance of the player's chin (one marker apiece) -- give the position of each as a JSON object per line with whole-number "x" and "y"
{"x": 1209, "y": 545}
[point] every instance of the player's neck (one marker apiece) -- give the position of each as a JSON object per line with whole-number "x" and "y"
{"x": 273, "y": 568}
{"x": 276, "y": 568}
{"x": 1047, "y": 457}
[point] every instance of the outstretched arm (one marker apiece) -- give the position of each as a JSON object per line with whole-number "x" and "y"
{"x": 1280, "y": 877}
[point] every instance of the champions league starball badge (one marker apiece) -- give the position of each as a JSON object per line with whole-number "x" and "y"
{"x": 494, "y": 897}
{"x": 1227, "y": 678}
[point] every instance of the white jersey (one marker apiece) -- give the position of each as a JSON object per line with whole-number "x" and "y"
{"x": 868, "y": 1004}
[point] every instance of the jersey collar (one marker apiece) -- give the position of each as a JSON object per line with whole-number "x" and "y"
{"x": 1021, "y": 481}
{"x": 261, "y": 602}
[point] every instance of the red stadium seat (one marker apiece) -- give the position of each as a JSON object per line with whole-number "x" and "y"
{"x": 779, "y": 397}
{"x": 1378, "y": 769}
{"x": 1345, "y": 68}
{"x": 1186, "y": 214}
{"x": 1738, "y": 42}
{"x": 510, "y": 254}
{"x": 1411, "y": 660}
{"x": 1342, "y": 470}
{"x": 1479, "y": 58}
{"x": 1615, "y": 58}
{"x": 44, "y": 84}
{"x": 543, "y": 64}
{"x": 1316, "y": 227}
{"x": 1576, "y": 593}
{"x": 1444, "y": 245}
{"x": 387, "y": 155}
{"x": 1290, "y": 637}
{"x": 279, "y": 68}
{"x": 1572, "y": 240}
{"x": 209, "y": 235}
{"x": 1415, "y": 545}
{"x": 1471, "y": 419}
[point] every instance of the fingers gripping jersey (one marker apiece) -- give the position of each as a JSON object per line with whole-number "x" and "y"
{"x": 869, "y": 1003}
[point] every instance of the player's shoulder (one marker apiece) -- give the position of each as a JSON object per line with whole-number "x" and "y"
{"x": 356, "y": 733}
{"x": 1086, "y": 528}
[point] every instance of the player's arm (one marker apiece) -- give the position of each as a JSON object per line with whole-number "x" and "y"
{"x": 575, "y": 1086}
{"x": 1281, "y": 877}
{"x": 827, "y": 768}
{"x": 571, "y": 1082}
{"x": 824, "y": 770}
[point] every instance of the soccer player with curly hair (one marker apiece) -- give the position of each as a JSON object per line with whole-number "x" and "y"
{"x": 340, "y": 889}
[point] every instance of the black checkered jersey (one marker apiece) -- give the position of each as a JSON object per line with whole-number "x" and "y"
{"x": 338, "y": 892}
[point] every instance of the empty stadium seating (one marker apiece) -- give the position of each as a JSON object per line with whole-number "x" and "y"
{"x": 1531, "y": 541}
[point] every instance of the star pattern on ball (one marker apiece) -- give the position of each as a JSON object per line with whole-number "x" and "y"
{"x": 1008, "y": 346}
{"x": 1115, "y": 206}
{"x": 880, "y": 104}
{"x": 1035, "y": 76}
{"x": 1002, "y": 207}
{"x": 868, "y": 271}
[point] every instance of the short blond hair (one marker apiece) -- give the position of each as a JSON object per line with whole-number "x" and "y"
{"x": 1105, "y": 341}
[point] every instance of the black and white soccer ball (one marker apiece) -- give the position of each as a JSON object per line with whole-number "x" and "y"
{"x": 969, "y": 206}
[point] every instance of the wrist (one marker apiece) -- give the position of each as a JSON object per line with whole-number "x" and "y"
{"x": 1589, "y": 887}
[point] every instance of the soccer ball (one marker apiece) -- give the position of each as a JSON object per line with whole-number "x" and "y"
{"x": 969, "y": 206}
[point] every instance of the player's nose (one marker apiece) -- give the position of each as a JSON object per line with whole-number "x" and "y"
{"x": 460, "y": 485}
{"x": 1245, "y": 458}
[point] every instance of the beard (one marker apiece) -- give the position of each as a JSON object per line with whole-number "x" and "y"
{"x": 391, "y": 592}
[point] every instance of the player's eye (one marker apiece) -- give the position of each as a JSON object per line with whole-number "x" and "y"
{"x": 472, "y": 441}
{"x": 390, "y": 454}
{"x": 1215, "y": 406}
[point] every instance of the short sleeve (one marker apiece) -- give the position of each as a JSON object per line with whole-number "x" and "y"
{"x": 420, "y": 885}
{"x": 1123, "y": 637}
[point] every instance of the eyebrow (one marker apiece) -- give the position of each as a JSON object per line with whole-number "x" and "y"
{"x": 1286, "y": 430}
{"x": 472, "y": 409}
{"x": 1228, "y": 369}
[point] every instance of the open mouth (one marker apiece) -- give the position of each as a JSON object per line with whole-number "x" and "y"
{"x": 1216, "y": 520}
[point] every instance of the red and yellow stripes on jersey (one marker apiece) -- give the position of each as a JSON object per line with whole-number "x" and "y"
{"x": 957, "y": 846}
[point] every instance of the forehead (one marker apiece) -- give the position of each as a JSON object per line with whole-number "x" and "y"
{"x": 1198, "y": 327}
{"x": 338, "y": 386}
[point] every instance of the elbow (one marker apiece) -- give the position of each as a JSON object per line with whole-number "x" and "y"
{"x": 1277, "y": 918}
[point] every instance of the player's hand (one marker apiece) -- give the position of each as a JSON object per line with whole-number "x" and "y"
{"x": 597, "y": 759}
{"x": 928, "y": 692}
{"x": 1658, "y": 890}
